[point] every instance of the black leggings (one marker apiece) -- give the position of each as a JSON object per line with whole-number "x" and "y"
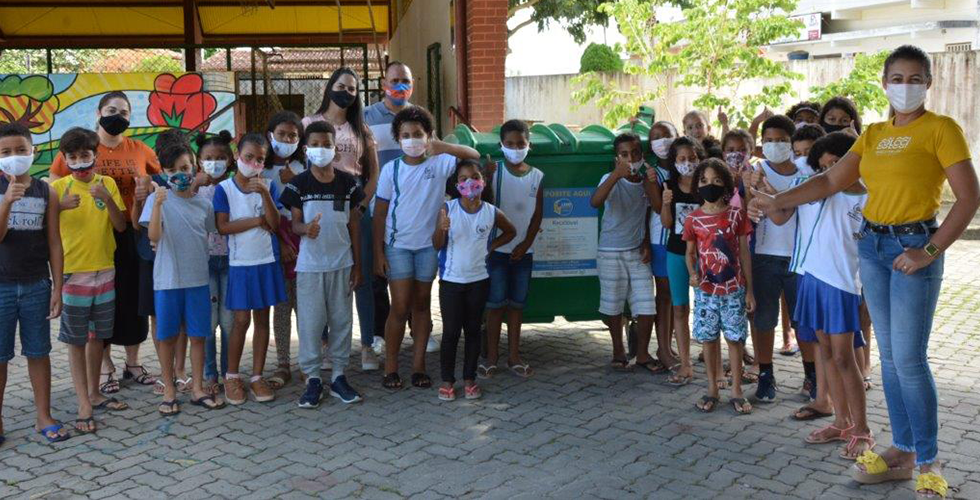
{"x": 462, "y": 308}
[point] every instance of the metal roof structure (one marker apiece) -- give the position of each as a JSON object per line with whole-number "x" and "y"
{"x": 192, "y": 23}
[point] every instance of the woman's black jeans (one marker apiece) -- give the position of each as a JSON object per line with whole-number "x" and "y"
{"x": 462, "y": 308}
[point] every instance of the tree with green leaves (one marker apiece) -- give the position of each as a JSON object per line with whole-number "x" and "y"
{"x": 862, "y": 85}
{"x": 600, "y": 58}
{"x": 714, "y": 50}
{"x": 574, "y": 15}
{"x": 34, "y": 61}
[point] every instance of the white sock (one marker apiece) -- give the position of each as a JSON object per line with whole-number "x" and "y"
{"x": 232, "y": 375}
{"x": 255, "y": 378}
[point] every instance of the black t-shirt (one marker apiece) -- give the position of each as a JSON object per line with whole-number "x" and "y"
{"x": 24, "y": 250}
{"x": 681, "y": 206}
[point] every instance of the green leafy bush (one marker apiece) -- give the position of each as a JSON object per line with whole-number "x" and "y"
{"x": 600, "y": 58}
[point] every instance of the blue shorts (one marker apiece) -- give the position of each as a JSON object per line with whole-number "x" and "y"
{"x": 771, "y": 278}
{"x": 658, "y": 260}
{"x": 420, "y": 265}
{"x": 509, "y": 281}
{"x": 680, "y": 280}
{"x": 253, "y": 288}
{"x": 720, "y": 314}
{"x": 190, "y": 307}
{"x": 27, "y": 304}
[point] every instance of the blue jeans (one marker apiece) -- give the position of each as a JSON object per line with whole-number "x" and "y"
{"x": 902, "y": 308}
{"x": 28, "y": 304}
{"x": 371, "y": 297}
{"x": 220, "y": 317}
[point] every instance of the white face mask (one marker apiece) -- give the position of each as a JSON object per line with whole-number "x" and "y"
{"x": 320, "y": 157}
{"x": 82, "y": 165}
{"x": 777, "y": 152}
{"x": 635, "y": 167}
{"x": 17, "y": 165}
{"x": 248, "y": 169}
{"x": 214, "y": 168}
{"x": 685, "y": 168}
{"x": 906, "y": 97}
{"x": 413, "y": 148}
{"x": 283, "y": 149}
{"x": 514, "y": 156}
{"x": 661, "y": 147}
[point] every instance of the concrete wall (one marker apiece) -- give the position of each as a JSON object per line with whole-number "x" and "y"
{"x": 955, "y": 92}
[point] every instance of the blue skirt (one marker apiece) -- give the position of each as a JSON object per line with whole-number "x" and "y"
{"x": 820, "y": 306}
{"x": 255, "y": 287}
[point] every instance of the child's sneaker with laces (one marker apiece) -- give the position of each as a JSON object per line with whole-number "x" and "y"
{"x": 235, "y": 391}
{"x": 311, "y": 396}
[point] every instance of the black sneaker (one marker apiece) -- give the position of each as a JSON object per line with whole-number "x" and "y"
{"x": 311, "y": 397}
{"x": 341, "y": 390}
{"x": 765, "y": 392}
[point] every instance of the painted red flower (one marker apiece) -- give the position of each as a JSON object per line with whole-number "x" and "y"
{"x": 180, "y": 102}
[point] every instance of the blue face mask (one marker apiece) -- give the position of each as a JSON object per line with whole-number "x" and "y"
{"x": 180, "y": 181}
{"x": 399, "y": 93}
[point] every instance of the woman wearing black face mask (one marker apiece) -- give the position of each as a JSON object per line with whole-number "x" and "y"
{"x": 840, "y": 114}
{"x": 125, "y": 160}
{"x": 356, "y": 154}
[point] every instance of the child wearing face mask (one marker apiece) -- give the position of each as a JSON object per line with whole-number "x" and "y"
{"x": 718, "y": 260}
{"x": 91, "y": 210}
{"x": 517, "y": 191}
{"x": 178, "y": 221}
{"x": 662, "y": 134}
{"x": 214, "y": 157}
{"x": 466, "y": 233}
{"x": 31, "y": 263}
{"x": 411, "y": 190}
{"x": 323, "y": 203}
{"x": 284, "y": 161}
{"x": 680, "y": 198}
{"x": 246, "y": 212}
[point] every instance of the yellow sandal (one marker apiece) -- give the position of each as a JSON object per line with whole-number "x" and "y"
{"x": 876, "y": 470}
{"x": 931, "y": 485}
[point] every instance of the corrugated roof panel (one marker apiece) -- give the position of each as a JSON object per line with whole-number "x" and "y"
{"x": 233, "y": 20}
{"x": 67, "y": 21}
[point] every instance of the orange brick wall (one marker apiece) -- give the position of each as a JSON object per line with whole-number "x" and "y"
{"x": 486, "y": 33}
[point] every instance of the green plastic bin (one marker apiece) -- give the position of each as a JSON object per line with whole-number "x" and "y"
{"x": 564, "y": 281}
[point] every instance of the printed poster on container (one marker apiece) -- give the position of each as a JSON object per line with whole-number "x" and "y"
{"x": 569, "y": 238}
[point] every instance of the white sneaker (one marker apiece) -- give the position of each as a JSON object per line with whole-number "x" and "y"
{"x": 369, "y": 361}
{"x": 326, "y": 365}
{"x": 432, "y": 345}
{"x": 378, "y": 346}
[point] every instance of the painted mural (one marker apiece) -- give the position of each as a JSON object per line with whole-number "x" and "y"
{"x": 49, "y": 105}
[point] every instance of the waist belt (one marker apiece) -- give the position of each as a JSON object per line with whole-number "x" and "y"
{"x": 923, "y": 227}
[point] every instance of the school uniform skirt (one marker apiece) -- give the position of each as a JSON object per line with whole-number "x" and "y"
{"x": 255, "y": 287}
{"x": 820, "y": 306}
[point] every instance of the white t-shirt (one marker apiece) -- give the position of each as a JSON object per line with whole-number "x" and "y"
{"x": 658, "y": 234}
{"x": 252, "y": 247}
{"x": 806, "y": 218}
{"x": 414, "y": 194}
{"x": 833, "y": 251}
{"x": 771, "y": 239}
{"x": 464, "y": 258}
{"x": 273, "y": 175}
{"x": 623, "y": 217}
{"x": 517, "y": 196}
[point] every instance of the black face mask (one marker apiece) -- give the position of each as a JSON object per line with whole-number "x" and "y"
{"x": 711, "y": 193}
{"x": 342, "y": 98}
{"x": 114, "y": 124}
{"x": 830, "y": 129}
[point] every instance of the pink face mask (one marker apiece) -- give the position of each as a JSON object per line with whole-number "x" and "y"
{"x": 470, "y": 188}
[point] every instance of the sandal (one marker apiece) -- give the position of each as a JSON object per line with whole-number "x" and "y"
{"x": 473, "y": 392}
{"x": 210, "y": 402}
{"x": 706, "y": 404}
{"x": 741, "y": 406}
{"x": 141, "y": 377}
{"x": 876, "y": 470}
{"x": 484, "y": 371}
{"x": 931, "y": 485}
{"x": 813, "y": 439}
{"x": 159, "y": 388}
{"x": 810, "y": 413}
{"x": 678, "y": 381}
{"x": 653, "y": 366}
{"x": 89, "y": 424}
{"x": 620, "y": 365}
{"x": 53, "y": 433}
{"x": 279, "y": 379}
{"x": 421, "y": 380}
{"x": 789, "y": 350}
{"x": 523, "y": 371}
{"x": 747, "y": 359}
{"x": 392, "y": 381}
{"x": 750, "y": 377}
{"x": 212, "y": 387}
{"x": 447, "y": 394}
{"x": 169, "y": 408}
{"x": 867, "y": 384}
{"x": 111, "y": 404}
{"x": 111, "y": 385}
{"x": 184, "y": 385}
{"x": 848, "y": 452}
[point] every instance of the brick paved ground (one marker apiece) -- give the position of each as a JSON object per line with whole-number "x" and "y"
{"x": 575, "y": 430}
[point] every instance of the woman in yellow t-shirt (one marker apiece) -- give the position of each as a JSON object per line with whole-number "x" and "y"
{"x": 903, "y": 162}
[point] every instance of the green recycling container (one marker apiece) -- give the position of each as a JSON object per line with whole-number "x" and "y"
{"x": 564, "y": 281}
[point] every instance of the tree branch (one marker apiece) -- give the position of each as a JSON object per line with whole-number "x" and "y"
{"x": 519, "y": 7}
{"x": 518, "y": 27}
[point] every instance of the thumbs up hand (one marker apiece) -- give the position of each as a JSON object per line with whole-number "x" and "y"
{"x": 159, "y": 196}
{"x": 69, "y": 201}
{"x": 444, "y": 220}
{"x": 313, "y": 228}
{"x": 143, "y": 188}
{"x": 99, "y": 192}
{"x": 15, "y": 191}
{"x": 668, "y": 196}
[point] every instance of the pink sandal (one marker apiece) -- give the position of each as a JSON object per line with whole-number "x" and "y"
{"x": 848, "y": 452}
{"x": 841, "y": 433}
{"x": 473, "y": 392}
{"x": 447, "y": 393}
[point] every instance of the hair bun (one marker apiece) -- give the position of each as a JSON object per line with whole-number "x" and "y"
{"x": 225, "y": 136}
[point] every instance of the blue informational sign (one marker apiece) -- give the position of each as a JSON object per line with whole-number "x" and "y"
{"x": 569, "y": 239}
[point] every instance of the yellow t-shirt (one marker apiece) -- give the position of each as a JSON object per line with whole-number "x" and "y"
{"x": 86, "y": 230}
{"x": 904, "y": 167}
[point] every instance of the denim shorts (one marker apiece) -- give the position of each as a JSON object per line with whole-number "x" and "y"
{"x": 420, "y": 265}
{"x": 28, "y": 304}
{"x": 509, "y": 280}
{"x": 772, "y": 278}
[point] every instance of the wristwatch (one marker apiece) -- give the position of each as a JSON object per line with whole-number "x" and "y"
{"x": 931, "y": 249}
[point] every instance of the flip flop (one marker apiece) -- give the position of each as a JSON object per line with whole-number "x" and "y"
{"x": 111, "y": 404}
{"x": 523, "y": 371}
{"x": 811, "y": 414}
{"x": 653, "y": 366}
{"x": 56, "y": 430}
{"x": 790, "y": 351}
{"x": 620, "y": 365}
{"x": 210, "y": 402}
{"x": 421, "y": 380}
{"x": 173, "y": 408}
{"x": 742, "y": 403}
{"x": 703, "y": 404}
{"x": 184, "y": 385}
{"x": 392, "y": 381}
{"x": 484, "y": 371}
{"x": 89, "y": 423}
{"x": 678, "y": 381}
